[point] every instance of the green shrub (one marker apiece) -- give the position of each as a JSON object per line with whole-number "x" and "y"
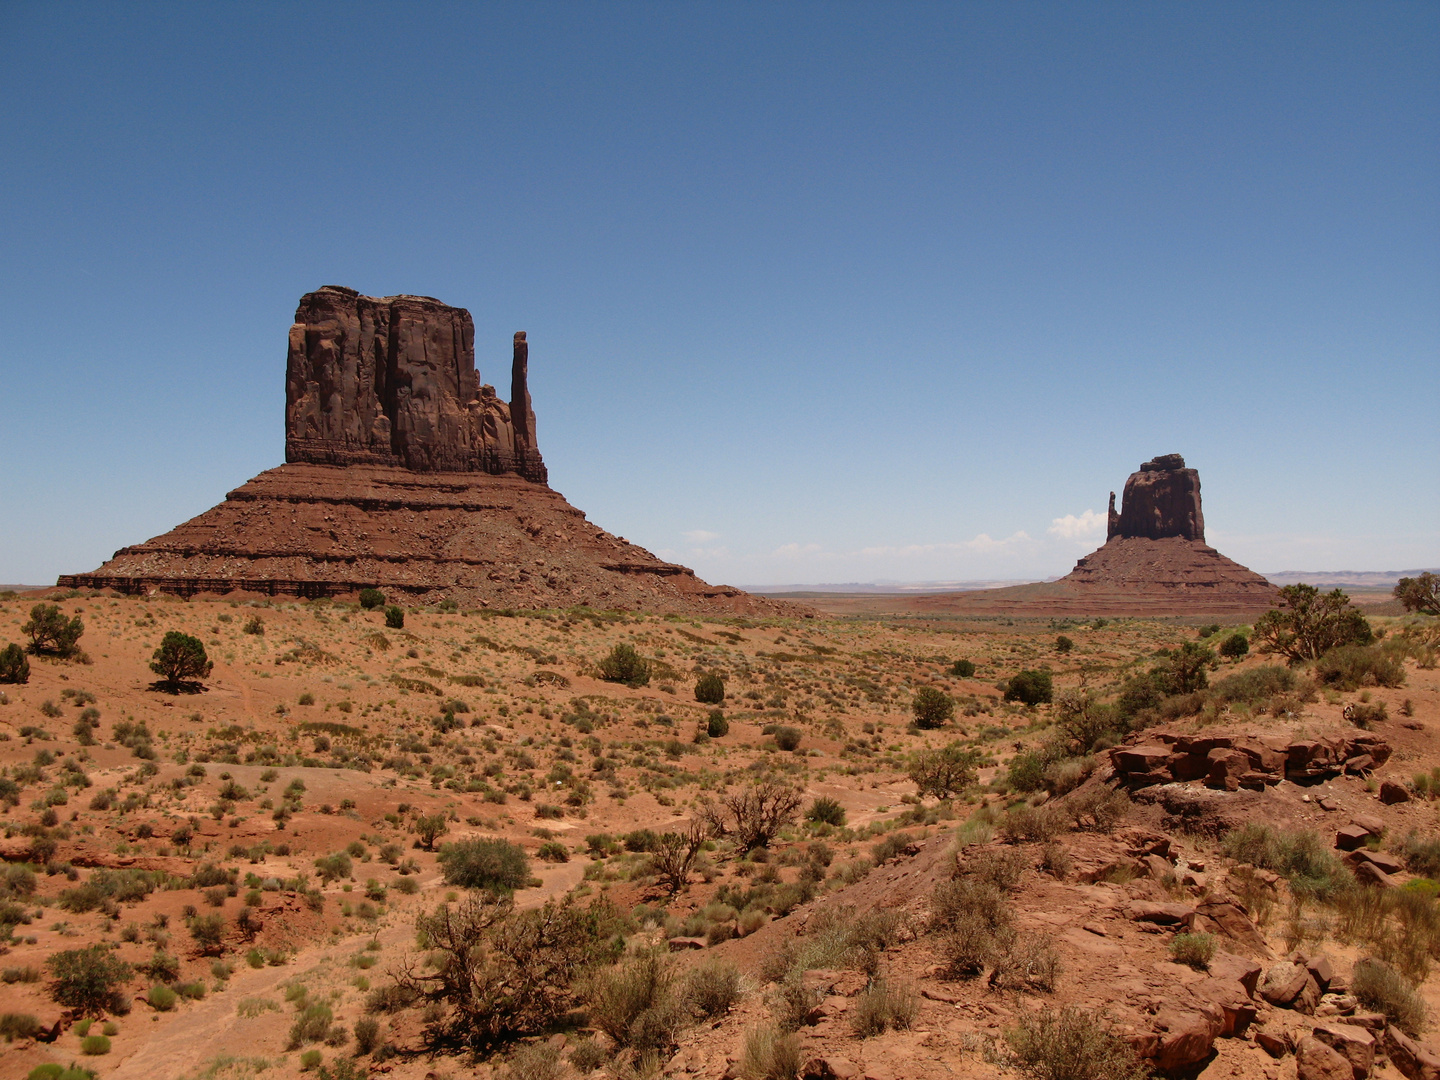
{"x": 1030, "y": 687}
{"x": 1302, "y": 857}
{"x": 963, "y": 669}
{"x": 1306, "y": 624}
{"x": 787, "y": 738}
{"x": 881, "y": 1007}
{"x": 18, "y": 1026}
{"x": 712, "y": 988}
{"x": 1421, "y": 855}
{"x": 370, "y": 599}
{"x": 1366, "y": 714}
{"x": 311, "y": 1025}
{"x": 51, "y": 632}
{"x": 367, "y": 1034}
{"x": 1193, "y": 950}
{"x": 710, "y": 689}
{"x": 1353, "y": 666}
{"x": 932, "y": 708}
{"x": 333, "y": 867}
{"x": 395, "y": 617}
{"x": 943, "y": 772}
{"x": 636, "y": 1003}
{"x": 624, "y": 665}
{"x": 88, "y": 980}
{"x": 180, "y": 659}
{"x": 1063, "y": 644}
{"x": 716, "y": 726}
{"x": 770, "y": 1054}
{"x": 1254, "y": 686}
{"x": 827, "y": 811}
{"x": 14, "y": 667}
{"x": 552, "y": 851}
{"x": 94, "y": 1045}
{"x": 1382, "y": 988}
{"x": 162, "y": 998}
{"x": 310, "y": 1059}
{"x": 1071, "y": 1043}
{"x": 588, "y": 1055}
{"x": 494, "y": 865}
{"x": 538, "y": 1061}
{"x": 1235, "y": 646}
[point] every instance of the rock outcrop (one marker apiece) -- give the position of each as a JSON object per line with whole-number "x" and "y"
{"x": 392, "y": 381}
{"x": 405, "y": 473}
{"x": 1229, "y": 761}
{"x": 1162, "y": 499}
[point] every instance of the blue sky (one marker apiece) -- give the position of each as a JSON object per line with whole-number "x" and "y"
{"x": 814, "y": 292}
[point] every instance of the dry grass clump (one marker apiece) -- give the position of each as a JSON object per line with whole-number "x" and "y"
{"x": 1024, "y": 961}
{"x": 712, "y": 988}
{"x": 1038, "y": 824}
{"x": 539, "y": 1061}
{"x": 636, "y": 1002}
{"x": 1194, "y": 950}
{"x": 1380, "y": 987}
{"x": 883, "y": 1006}
{"x": 1071, "y": 1044}
{"x": 770, "y": 1054}
{"x": 1313, "y": 870}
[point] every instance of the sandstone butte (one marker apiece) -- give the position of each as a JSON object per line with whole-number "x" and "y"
{"x": 1154, "y": 562}
{"x": 404, "y": 472}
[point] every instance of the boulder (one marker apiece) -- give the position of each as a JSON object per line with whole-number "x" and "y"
{"x": 1351, "y": 837}
{"x": 1140, "y": 759}
{"x": 1186, "y": 1037}
{"x": 1314, "y": 1060}
{"x": 1164, "y": 914}
{"x": 1321, "y": 970}
{"x": 1381, "y": 859}
{"x": 1416, "y": 1062}
{"x": 1367, "y": 873}
{"x": 1224, "y": 768}
{"x": 1370, "y": 823}
{"x": 1273, "y": 1044}
{"x": 828, "y": 1068}
{"x": 1284, "y": 983}
{"x": 1392, "y": 793}
{"x": 1232, "y": 968}
{"x": 1237, "y": 1011}
{"x": 1355, "y": 1044}
{"x": 1228, "y": 919}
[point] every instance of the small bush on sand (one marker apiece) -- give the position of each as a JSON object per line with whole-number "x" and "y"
{"x": 710, "y": 689}
{"x": 932, "y": 708}
{"x": 770, "y": 1054}
{"x": 1382, "y": 988}
{"x": 827, "y": 811}
{"x": 712, "y": 988}
{"x": 14, "y": 667}
{"x": 494, "y": 865}
{"x": 1030, "y": 687}
{"x": 370, "y": 599}
{"x": 624, "y": 665}
{"x": 1194, "y": 950}
{"x": 538, "y": 1061}
{"x": 883, "y": 1006}
{"x": 1071, "y": 1044}
{"x": 395, "y": 617}
{"x": 636, "y": 1003}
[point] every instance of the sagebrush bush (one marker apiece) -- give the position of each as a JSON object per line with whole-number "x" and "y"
{"x": 770, "y": 1054}
{"x": 484, "y": 863}
{"x": 636, "y": 1002}
{"x": 932, "y": 708}
{"x": 1255, "y": 685}
{"x": 1382, "y": 988}
{"x": 825, "y": 810}
{"x": 539, "y": 1061}
{"x": 1421, "y": 854}
{"x": 1024, "y": 961}
{"x": 1035, "y": 823}
{"x": 1071, "y": 1043}
{"x": 1193, "y": 950}
{"x": 18, "y": 1026}
{"x": 367, "y": 1034}
{"x": 1353, "y": 666}
{"x": 787, "y": 738}
{"x": 712, "y": 988}
{"x": 1312, "y": 869}
{"x": 883, "y": 1006}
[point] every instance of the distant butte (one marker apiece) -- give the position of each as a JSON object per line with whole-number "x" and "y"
{"x": 404, "y": 472}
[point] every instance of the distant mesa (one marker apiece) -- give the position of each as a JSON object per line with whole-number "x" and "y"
{"x": 404, "y": 471}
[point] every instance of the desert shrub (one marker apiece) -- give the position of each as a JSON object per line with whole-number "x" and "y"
{"x": 429, "y": 828}
{"x": 1235, "y": 646}
{"x": 395, "y": 617}
{"x": 88, "y": 980}
{"x": 51, "y": 632}
{"x": 1254, "y": 686}
{"x": 827, "y": 811}
{"x": 624, "y": 665}
{"x": 1350, "y": 667}
{"x": 1366, "y": 714}
{"x": 1071, "y": 1043}
{"x": 889, "y": 846}
{"x": 180, "y": 659}
{"x": 539, "y": 1061}
{"x": 943, "y": 772}
{"x": 1382, "y": 988}
{"x": 973, "y": 917}
{"x": 503, "y": 972}
{"x": 311, "y": 1025}
{"x": 18, "y": 1026}
{"x": 932, "y": 708}
{"x": 712, "y": 988}
{"x": 309, "y": 1060}
{"x": 883, "y": 1006}
{"x": 1302, "y": 857}
{"x": 716, "y": 726}
{"x": 787, "y": 738}
{"x": 1421, "y": 854}
{"x": 367, "y": 1034}
{"x": 1039, "y": 824}
{"x": 481, "y": 863}
{"x": 1306, "y": 625}
{"x": 1030, "y": 687}
{"x": 710, "y": 689}
{"x": 1419, "y": 593}
{"x": 25, "y": 974}
{"x": 370, "y": 599}
{"x": 208, "y": 932}
{"x": 587, "y": 1055}
{"x": 1193, "y": 950}
{"x": 636, "y": 1002}
{"x": 161, "y": 967}
{"x": 333, "y": 867}
{"x": 162, "y": 998}
{"x": 553, "y": 851}
{"x": 94, "y": 1045}
{"x": 673, "y": 854}
{"x": 1098, "y": 809}
{"x": 754, "y": 814}
{"x": 1024, "y": 961}
{"x": 963, "y": 669}
{"x": 770, "y": 1054}
{"x": 14, "y": 667}
{"x": 1063, "y": 644}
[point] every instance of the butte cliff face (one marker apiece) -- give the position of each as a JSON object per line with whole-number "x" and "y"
{"x": 404, "y": 471}
{"x": 1162, "y": 499}
{"x": 392, "y": 381}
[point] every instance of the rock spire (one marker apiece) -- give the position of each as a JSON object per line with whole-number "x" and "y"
{"x": 1162, "y": 499}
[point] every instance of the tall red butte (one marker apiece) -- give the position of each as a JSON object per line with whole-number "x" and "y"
{"x": 404, "y": 472}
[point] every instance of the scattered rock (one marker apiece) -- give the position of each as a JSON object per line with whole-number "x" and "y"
{"x": 1165, "y": 914}
{"x": 1370, "y": 823}
{"x": 1316, "y": 1061}
{"x": 1283, "y": 984}
{"x": 682, "y": 944}
{"x": 1351, "y": 837}
{"x": 1367, "y": 873}
{"x": 1392, "y": 793}
{"x": 1228, "y": 966}
{"x": 1272, "y": 1044}
{"x": 1416, "y": 1062}
{"x": 1355, "y": 1044}
{"x": 1228, "y": 919}
{"x": 1381, "y": 859}
{"x": 828, "y": 1068}
{"x": 1185, "y": 1037}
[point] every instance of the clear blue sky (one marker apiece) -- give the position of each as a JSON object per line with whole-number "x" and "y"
{"x": 815, "y": 292}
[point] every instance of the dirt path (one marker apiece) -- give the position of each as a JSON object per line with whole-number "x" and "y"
{"x": 186, "y": 1041}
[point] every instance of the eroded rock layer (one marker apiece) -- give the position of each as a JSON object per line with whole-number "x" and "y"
{"x": 327, "y": 530}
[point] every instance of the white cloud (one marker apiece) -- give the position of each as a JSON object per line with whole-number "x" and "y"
{"x": 700, "y": 536}
{"x": 1088, "y": 526}
{"x": 983, "y": 543}
{"x": 790, "y": 551}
